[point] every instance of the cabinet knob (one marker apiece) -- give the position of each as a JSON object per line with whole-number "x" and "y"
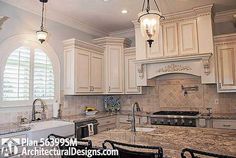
{"x": 109, "y": 88}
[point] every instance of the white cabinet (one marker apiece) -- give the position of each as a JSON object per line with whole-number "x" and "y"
{"x": 115, "y": 69}
{"x": 225, "y": 46}
{"x": 170, "y": 35}
{"x": 181, "y": 34}
{"x": 188, "y": 38}
{"x": 114, "y": 63}
{"x": 83, "y": 68}
{"x": 131, "y": 73}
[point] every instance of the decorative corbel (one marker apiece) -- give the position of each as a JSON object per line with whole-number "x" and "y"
{"x": 206, "y": 64}
{"x": 2, "y": 20}
{"x": 140, "y": 70}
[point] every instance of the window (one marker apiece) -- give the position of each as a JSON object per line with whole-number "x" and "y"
{"x": 28, "y": 74}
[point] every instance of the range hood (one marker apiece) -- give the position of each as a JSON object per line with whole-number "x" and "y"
{"x": 201, "y": 65}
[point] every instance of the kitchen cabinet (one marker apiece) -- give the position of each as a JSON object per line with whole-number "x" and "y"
{"x": 170, "y": 35}
{"x": 106, "y": 123}
{"x": 83, "y": 68}
{"x": 181, "y": 34}
{"x": 225, "y": 46}
{"x": 224, "y": 123}
{"x": 131, "y": 73}
{"x": 188, "y": 38}
{"x": 125, "y": 120}
{"x": 114, "y": 63}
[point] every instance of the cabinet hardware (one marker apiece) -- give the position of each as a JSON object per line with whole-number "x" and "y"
{"x": 227, "y": 125}
{"x": 109, "y": 89}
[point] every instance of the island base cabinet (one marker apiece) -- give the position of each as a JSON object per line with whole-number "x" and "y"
{"x": 224, "y": 123}
{"x": 106, "y": 123}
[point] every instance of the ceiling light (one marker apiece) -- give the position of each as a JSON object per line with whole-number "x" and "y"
{"x": 105, "y": 0}
{"x": 42, "y": 33}
{"x": 124, "y": 11}
{"x": 150, "y": 22}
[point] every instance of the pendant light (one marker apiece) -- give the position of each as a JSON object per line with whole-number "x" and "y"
{"x": 42, "y": 34}
{"x": 150, "y": 22}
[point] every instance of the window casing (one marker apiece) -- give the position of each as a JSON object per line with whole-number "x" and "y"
{"x": 28, "y": 74}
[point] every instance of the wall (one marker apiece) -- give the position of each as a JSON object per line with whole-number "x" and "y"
{"x": 168, "y": 95}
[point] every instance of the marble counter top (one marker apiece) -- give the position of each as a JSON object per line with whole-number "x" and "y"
{"x": 174, "y": 139}
{"x": 12, "y": 128}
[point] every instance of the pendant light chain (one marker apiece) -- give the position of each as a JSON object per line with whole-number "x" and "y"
{"x": 42, "y": 22}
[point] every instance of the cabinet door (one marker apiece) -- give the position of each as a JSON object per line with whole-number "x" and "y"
{"x": 69, "y": 71}
{"x": 170, "y": 36}
{"x": 188, "y": 41}
{"x": 130, "y": 75}
{"x": 226, "y": 55}
{"x": 157, "y": 46}
{"x": 82, "y": 71}
{"x": 96, "y": 73}
{"x": 115, "y": 69}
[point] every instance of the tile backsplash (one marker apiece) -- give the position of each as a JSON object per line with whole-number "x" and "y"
{"x": 168, "y": 95}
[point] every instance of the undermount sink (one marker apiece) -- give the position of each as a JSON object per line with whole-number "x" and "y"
{"x": 144, "y": 129}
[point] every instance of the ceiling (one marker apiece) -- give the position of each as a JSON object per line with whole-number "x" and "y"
{"x": 105, "y": 17}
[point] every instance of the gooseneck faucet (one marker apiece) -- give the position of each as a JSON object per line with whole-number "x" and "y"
{"x": 34, "y": 112}
{"x": 135, "y": 107}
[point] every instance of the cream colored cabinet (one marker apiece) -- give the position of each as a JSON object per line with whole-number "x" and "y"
{"x": 131, "y": 73}
{"x": 106, "y": 123}
{"x": 224, "y": 123}
{"x": 181, "y": 34}
{"x": 188, "y": 38}
{"x": 114, "y": 63}
{"x": 170, "y": 35}
{"x": 83, "y": 68}
{"x": 225, "y": 46}
{"x": 97, "y": 69}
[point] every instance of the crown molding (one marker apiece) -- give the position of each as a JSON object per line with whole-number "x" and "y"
{"x": 63, "y": 19}
{"x": 104, "y": 41}
{"x": 225, "y": 16}
{"x": 2, "y": 20}
{"x": 123, "y": 33}
{"x": 71, "y": 43}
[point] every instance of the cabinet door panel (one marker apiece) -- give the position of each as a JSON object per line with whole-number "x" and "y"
{"x": 188, "y": 41}
{"x": 96, "y": 72}
{"x": 130, "y": 75}
{"x": 170, "y": 39}
{"x": 157, "y": 46}
{"x": 226, "y": 55}
{"x": 82, "y": 71}
{"x": 115, "y": 65}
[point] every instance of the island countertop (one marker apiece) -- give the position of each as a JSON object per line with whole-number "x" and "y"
{"x": 174, "y": 139}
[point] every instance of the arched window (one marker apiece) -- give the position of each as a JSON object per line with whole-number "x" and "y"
{"x": 28, "y": 75}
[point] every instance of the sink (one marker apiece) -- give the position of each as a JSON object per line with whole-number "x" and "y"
{"x": 42, "y": 129}
{"x": 144, "y": 129}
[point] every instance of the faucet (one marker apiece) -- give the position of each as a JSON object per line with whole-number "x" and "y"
{"x": 43, "y": 106}
{"x": 136, "y": 107}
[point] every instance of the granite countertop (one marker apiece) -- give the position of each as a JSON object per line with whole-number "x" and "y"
{"x": 174, "y": 139}
{"x": 12, "y": 128}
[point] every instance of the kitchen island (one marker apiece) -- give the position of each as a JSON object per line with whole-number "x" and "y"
{"x": 174, "y": 139}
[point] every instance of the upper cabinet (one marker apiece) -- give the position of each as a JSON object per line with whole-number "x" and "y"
{"x": 114, "y": 63}
{"x": 181, "y": 34}
{"x": 83, "y": 68}
{"x": 225, "y": 46}
{"x": 131, "y": 72}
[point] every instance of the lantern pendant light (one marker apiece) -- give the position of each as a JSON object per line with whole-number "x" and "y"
{"x": 150, "y": 22}
{"x": 42, "y": 33}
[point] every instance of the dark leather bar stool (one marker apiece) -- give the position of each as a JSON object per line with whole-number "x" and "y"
{"x": 133, "y": 151}
{"x": 81, "y": 144}
{"x": 196, "y": 154}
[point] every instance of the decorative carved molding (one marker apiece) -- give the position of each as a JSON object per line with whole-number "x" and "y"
{"x": 174, "y": 68}
{"x": 2, "y": 20}
{"x": 206, "y": 65}
{"x": 140, "y": 71}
